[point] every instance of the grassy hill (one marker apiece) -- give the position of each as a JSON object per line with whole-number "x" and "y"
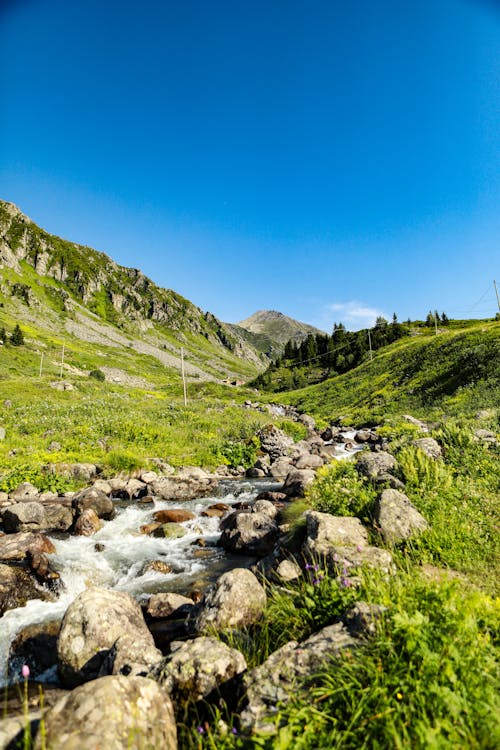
{"x": 456, "y": 372}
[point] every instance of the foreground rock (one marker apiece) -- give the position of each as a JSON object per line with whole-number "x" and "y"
{"x": 187, "y": 486}
{"x": 235, "y": 600}
{"x": 342, "y": 543}
{"x": 374, "y": 465}
{"x": 297, "y": 481}
{"x": 17, "y": 546}
{"x": 272, "y": 684}
{"x": 17, "y": 587}
{"x": 397, "y": 518}
{"x": 95, "y": 499}
{"x": 204, "y": 668}
{"x": 165, "y": 605}
{"x": 103, "y": 632}
{"x": 429, "y": 446}
{"x": 248, "y": 533}
{"x": 112, "y": 713}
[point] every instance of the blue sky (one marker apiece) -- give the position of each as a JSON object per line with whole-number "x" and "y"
{"x": 332, "y": 160}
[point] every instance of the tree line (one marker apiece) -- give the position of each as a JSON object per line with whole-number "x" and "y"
{"x": 16, "y": 338}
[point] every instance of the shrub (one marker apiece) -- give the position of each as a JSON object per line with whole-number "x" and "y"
{"x": 97, "y": 375}
{"x": 340, "y": 490}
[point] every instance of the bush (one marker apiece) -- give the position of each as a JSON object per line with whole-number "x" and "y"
{"x": 339, "y": 490}
{"x": 97, "y": 375}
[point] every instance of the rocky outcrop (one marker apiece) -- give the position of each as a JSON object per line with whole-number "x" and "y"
{"x": 17, "y": 546}
{"x": 203, "y": 668}
{"x": 37, "y": 516}
{"x": 186, "y": 487}
{"x": 114, "y": 713}
{"x": 274, "y": 442}
{"x": 103, "y": 632}
{"x": 235, "y": 600}
{"x": 397, "y": 518}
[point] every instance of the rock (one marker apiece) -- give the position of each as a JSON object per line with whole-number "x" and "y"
{"x": 158, "y": 566}
{"x": 361, "y": 620}
{"x": 182, "y": 487}
{"x": 16, "y": 546}
{"x": 263, "y": 462}
{"x": 40, "y": 566}
{"x": 203, "y": 668}
{"x": 36, "y": 646}
{"x": 103, "y": 486}
{"x": 288, "y": 571}
{"x": 235, "y": 600}
{"x": 248, "y": 533}
{"x": 280, "y": 468}
{"x": 176, "y": 515}
{"x": 309, "y": 461}
{"x": 100, "y": 503}
{"x": 397, "y": 518}
{"x": 192, "y": 472}
{"x": 112, "y": 713}
{"x": 342, "y": 543}
{"x": 149, "y": 476}
{"x": 118, "y": 487}
{"x": 274, "y": 442}
{"x": 372, "y": 465}
{"x": 429, "y": 446}
{"x": 2, "y": 433}
{"x": 59, "y": 516}
{"x": 271, "y": 685}
{"x": 136, "y": 489}
{"x": 146, "y": 500}
{"x": 393, "y": 482}
{"x": 165, "y": 605}
{"x": 81, "y": 471}
{"x": 149, "y": 528}
{"x": 170, "y": 531}
{"x": 88, "y": 523}
{"x": 254, "y": 473}
{"x": 421, "y": 425}
{"x": 365, "y": 436}
{"x": 266, "y": 508}
{"x": 307, "y": 421}
{"x": 273, "y": 497}
{"x": 17, "y": 587}
{"x": 54, "y": 446}
{"x": 27, "y": 516}
{"x": 26, "y": 489}
{"x": 103, "y": 632}
{"x": 296, "y": 482}
{"x": 485, "y": 436}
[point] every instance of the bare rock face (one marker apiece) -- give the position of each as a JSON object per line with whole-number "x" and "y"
{"x": 429, "y": 446}
{"x": 342, "y": 542}
{"x": 112, "y": 713}
{"x": 248, "y": 533}
{"x": 235, "y": 600}
{"x": 372, "y": 465}
{"x": 201, "y": 668}
{"x": 93, "y": 498}
{"x": 103, "y": 632}
{"x": 397, "y": 517}
{"x": 273, "y": 683}
{"x": 88, "y": 523}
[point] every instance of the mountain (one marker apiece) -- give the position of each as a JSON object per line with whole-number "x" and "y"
{"x": 57, "y": 286}
{"x": 270, "y": 330}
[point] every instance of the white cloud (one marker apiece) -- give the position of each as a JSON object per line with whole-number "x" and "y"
{"x": 353, "y": 314}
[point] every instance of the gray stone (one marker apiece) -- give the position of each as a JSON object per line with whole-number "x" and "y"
{"x": 421, "y": 425}
{"x": 254, "y": 473}
{"x": 297, "y": 481}
{"x": 235, "y": 600}
{"x": 17, "y": 547}
{"x": 307, "y": 421}
{"x": 17, "y": 587}
{"x": 429, "y": 446}
{"x": 280, "y": 468}
{"x": 2, "y": 433}
{"x": 203, "y": 668}
{"x": 167, "y": 604}
{"x": 372, "y": 465}
{"x": 271, "y": 685}
{"x": 59, "y": 516}
{"x": 486, "y": 436}
{"x": 112, "y": 713}
{"x": 274, "y": 442}
{"x": 182, "y": 487}
{"x": 397, "y": 518}
{"x": 103, "y": 632}
{"x": 248, "y": 533}
{"x": 93, "y": 498}
{"x": 82, "y": 471}
{"x": 26, "y": 489}
{"x": 266, "y": 508}
{"x": 28, "y": 516}
{"x": 287, "y": 570}
{"x": 309, "y": 461}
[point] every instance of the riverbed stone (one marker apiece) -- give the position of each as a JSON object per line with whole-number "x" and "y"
{"x": 170, "y": 531}
{"x": 167, "y": 604}
{"x": 103, "y": 632}
{"x": 297, "y": 481}
{"x": 17, "y": 587}
{"x": 397, "y": 518}
{"x": 274, "y": 682}
{"x": 27, "y": 516}
{"x": 36, "y": 646}
{"x": 17, "y": 546}
{"x": 235, "y": 600}
{"x": 309, "y": 461}
{"x": 248, "y": 533}
{"x": 59, "y": 516}
{"x": 280, "y": 468}
{"x": 88, "y": 523}
{"x": 182, "y": 487}
{"x": 100, "y": 503}
{"x": 175, "y": 515}
{"x": 112, "y": 713}
{"x": 373, "y": 464}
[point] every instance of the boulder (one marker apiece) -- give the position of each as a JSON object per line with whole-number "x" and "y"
{"x": 273, "y": 683}
{"x": 485, "y": 436}
{"x": 17, "y": 587}
{"x": 182, "y": 487}
{"x": 365, "y": 436}
{"x": 103, "y": 632}
{"x": 176, "y": 515}
{"x": 100, "y": 503}
{"x": 88, "y": 523}
{"x": 81, "y": 471}
{"x": 235, "y": 600}
{"x": 397, "y": 518}
{"x": 280, "y": 468}
{"x": 158, "y": 566}
{"x": 59, "y": 516}
{"x": 36, "y": 646}
{"x": 16, "y": 546}
{"x": 165, "y": 605}
{"x": 297, "y": 481}
{"x": 203, "y": 668}
{"x": 429, "y": 446}
{"x": 307, "y": 421}
{"x": 27, "y": 516}
{"x": 372, "y": 465}
{"x": 248, "y": 533}
{"x": 266, "y": 507}
{"x": 274, "y": 442}
{"x": 26, "y": 489}
{"x": 412, "y": 420}
{"x": 254, "y": 473}
{"x": 113, "y": 712}
{"x": 103, "y": 486}
{"x": 148, "y": 476}
{"x": 40, "y": 566}
{"x": 287, "y": 571}
{"x": 170, "y": 531}
{"x": 136, "y": 489}
{"x": 309, "y": 461}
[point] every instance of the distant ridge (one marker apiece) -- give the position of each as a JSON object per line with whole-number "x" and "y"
{"x": 276, "y": 329}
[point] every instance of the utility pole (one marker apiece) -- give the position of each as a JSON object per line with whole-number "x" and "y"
{"x": 496, "y": 292}
{"x": 62, "y": 363}
{"x": 41, "y": 365}
{"x": 183, "y": 376}
{"x": 436, "y": 321}
{"x": 370, "y": 344}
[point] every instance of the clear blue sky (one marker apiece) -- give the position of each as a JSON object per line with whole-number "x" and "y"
{"x": 328, "y": 159}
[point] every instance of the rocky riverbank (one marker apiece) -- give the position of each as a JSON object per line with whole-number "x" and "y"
{"x": 141, "y": 665}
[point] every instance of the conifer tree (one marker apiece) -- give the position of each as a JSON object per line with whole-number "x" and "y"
{"x": 17, "y": 338}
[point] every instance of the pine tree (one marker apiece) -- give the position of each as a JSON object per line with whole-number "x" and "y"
{"x": 17, "y": 338}
{"x": 3, "y": 335}
{"x": 444, "y": 319}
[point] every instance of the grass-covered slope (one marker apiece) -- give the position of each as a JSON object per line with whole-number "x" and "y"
{"x": 456, "y": 372}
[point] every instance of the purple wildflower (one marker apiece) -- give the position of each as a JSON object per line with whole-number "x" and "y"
{"x": 317, "y": 580}
{"x": 234, "y": 730}
{"x": 200, "y": 730}
{"x": 345, "y": 582}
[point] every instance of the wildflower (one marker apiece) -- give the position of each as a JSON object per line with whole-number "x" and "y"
{"x": 312, "y": 567}
{"x": 200, "y": 730}
{"x": 345, "y": 582}
{"x": 317, "y": 580}
{"x": 359, "y": 548}
{"x": 399, "y": 696}
{"x": 25, "y": 671}
{"x": 234, "y": 730}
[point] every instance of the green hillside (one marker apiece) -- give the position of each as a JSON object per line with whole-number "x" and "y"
{"x": 456, "y": 372}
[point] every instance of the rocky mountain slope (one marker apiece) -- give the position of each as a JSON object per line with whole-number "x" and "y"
{"x": 269, "y": 330}
{"x": 52, "y": 284}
